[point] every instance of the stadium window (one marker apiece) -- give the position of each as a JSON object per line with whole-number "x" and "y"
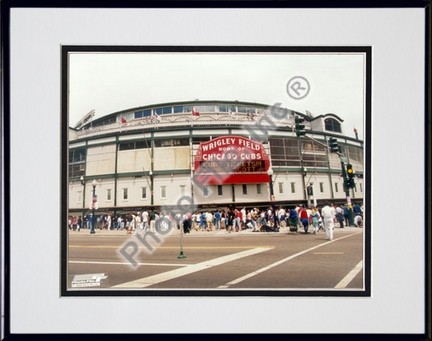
{"x": 143, "y": 113}
{"x": 220, "y": 192}
{"x": 285, "y": 152}
{"x": 332, "y": 125}
{"x": 164, "y": 110}
{"x": 109, "y": 121}
{"x": 108, "y": 194}
{"x": 198, "y": 140}
{"x": 355, "y": 153}
{"x": 171, "y": 142}
{"x": 76, "y": 170}
{"x": 321, "y": 184}
{"x": 163, "y": 192}
{"x": 141, "y": 144}
{"x": 223, "y": 108}
{"x": 77, "y": 162}
{"x": 336, "y": 187}
{"x": 205, "y": 191}
{"x": 187, "y": 108}
{"x": 143, "y": 192}
{"x": 178, "y": 109}
{"x": 243, "y": 109}
{"x": 205, "y": 108}
{"x": 125, "y": 194}
{"x": 258, "y": 188}
{"x": 77, "y": 155}
{"x": 134, "y": 145}
{"x": 126, "y": 145}
{"x": 167, "y": 110}
{"x": 280, "y": 187}
{"x": 244, "y": 189}
{"x": 227, "y": 108}
{"x": 293, "y": 189}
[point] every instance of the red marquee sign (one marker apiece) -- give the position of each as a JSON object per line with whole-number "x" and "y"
{"x": 231, "y": 160}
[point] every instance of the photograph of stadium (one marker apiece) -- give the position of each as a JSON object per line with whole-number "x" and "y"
{"x": 219, "y": 171}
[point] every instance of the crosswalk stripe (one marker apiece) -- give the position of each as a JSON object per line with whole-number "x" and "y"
{"x": 348, "y": 278}
{"x": 166, "y": 276}
{"x": 254, "y": 273}
{"x": 170, "y": 247}
{"x": 126, "y": 263}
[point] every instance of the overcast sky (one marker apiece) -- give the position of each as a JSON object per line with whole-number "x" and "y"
{"x": 110, "y": 82}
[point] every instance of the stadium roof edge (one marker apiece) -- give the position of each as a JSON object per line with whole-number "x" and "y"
{"x": 192, "y": 102}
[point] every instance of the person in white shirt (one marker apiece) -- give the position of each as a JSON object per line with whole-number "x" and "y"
{"x": 358, "y": 221}
{"x": 145, "y": 220}
{"x": 328, "y": 214}
{"x": 108, "y": 222}
{"x": 340, "y": 216}
{"x": 209, "y": 221}
{"x": 243, "y": 217}
{"x": 138, "y": 224}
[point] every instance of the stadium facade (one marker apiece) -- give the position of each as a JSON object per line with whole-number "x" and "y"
{"x": 211, "y": 153}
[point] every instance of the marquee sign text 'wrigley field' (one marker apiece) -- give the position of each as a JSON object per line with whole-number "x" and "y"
{"x": 238, "y": 159}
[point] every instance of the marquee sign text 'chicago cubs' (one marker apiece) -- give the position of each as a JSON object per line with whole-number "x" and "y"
{"x": 239, "y": 160}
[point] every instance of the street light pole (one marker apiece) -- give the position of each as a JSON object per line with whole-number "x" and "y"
{"x": 347, "y": 191}
{"x": 83, "y": 205}
{"x": 151, "y": 188}
{"x": 93, "y": 206}
{"x": 270, "y": 174}
{"x": 305, "y": 184}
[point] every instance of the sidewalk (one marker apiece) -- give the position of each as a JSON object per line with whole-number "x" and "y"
{"x": 221, "y": 232}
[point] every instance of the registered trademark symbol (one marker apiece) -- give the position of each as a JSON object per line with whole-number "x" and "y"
{"x": 298, "y": 87}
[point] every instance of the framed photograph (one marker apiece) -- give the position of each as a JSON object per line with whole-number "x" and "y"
{"x": 222, "y": 160}
{"x": 187, "y": 189}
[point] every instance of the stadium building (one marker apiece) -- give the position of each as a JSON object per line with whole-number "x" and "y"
{"x": 210, "y": 153}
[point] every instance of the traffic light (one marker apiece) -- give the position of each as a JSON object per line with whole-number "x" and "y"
{"x": 350, "y": 183}
{"x": 350, "y": 174}
{"x": 333, "y": 144}
{"x": 350, "y": 171}
{"x": 299, "y": 126}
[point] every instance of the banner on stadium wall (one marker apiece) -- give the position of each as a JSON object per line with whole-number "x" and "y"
{"x": 231, "y": 160}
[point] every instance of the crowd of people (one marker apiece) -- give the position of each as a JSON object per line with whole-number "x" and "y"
{"x": 231, "y": 219}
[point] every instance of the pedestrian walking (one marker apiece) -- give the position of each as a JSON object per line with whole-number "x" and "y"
{"x": 304, "y": 218}
{"x": 217, "y": 220}
{"x": 328, "y": 214}
{"x": 315, "y": 215}
{"x": 340, "y": 216}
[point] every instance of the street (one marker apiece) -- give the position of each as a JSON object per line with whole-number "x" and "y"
{"x": 220, "y": 260}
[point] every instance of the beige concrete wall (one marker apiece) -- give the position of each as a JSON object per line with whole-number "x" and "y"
{"x": 101, "y": 160}
{"x": 172, "y": 158}
{"x": 134, "y": 189}
{"x": 136, "y": 160}
{"x": 287, "y": 192}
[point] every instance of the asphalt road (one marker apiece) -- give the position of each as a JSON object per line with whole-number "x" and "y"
{"x": 219, "y": 260}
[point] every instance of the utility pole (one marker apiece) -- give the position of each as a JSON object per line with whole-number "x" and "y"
{"x": 347, "y": 174}
{"x": 300, "y": 131}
